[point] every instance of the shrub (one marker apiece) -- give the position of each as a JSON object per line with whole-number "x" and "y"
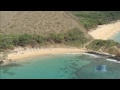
{"x": 91, "y": 19}
{"x": 39, "y": 39}
{"x": 75, "y": 37}
{"x": 59, "y": 38}
{"x": 72, "y": 37}
{"x": 25, "y": 39}
{"x": 102, "y": 44}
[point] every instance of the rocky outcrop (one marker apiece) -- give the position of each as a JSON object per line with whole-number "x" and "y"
{"x": 105, "y": 55}
{"x": 1, "y": 62}
{"x": 5, "y": 62}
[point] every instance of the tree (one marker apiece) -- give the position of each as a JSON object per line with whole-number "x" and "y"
{"x": 25, "y": 39}
{"x": 60, "y": 38}
{"x": 39, "y": 39}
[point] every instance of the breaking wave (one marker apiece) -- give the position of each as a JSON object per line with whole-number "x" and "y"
{"x": 113, "y": 60}
{"x": 73, "y": 53}
{"x": 93, "y": 55}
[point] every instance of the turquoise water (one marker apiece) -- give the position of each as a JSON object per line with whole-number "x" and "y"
{"x": 64, "y": 66}
{"x": 116, "y": 37}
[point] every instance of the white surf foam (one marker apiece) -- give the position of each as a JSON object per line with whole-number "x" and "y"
{"x": 93, "y": 55}
{"x": 73, "y": 53}
{"x": 113, "y": 60}
{"x": 118, "y": 62}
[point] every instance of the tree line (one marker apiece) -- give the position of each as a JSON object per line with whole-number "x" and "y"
{"x": 72, "y": 37}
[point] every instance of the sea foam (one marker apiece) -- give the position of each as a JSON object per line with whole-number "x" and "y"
{"x": 73, "y": 53}
{"x": 113, "y": 60}
{"x": 93, "y": 55}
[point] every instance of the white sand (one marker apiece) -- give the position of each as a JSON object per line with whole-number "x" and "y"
{"x": 20, "y": 53}
{"x": 105, "y": 31}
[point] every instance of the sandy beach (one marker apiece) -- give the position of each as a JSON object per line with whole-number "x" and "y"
{"x": 105, "y": 31}
{"x": 102, "y": 32}
{"x": 20, "y": 53}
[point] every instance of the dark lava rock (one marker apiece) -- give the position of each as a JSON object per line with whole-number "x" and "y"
{"x": 1, "y": 62}
{"x": 106, "y": 55}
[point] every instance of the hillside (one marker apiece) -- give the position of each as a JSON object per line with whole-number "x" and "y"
{"x": 108, "y": 46}
{"x": 23, "y": 28}
{"x": 37, "y": 22}
{"x": 91, "y": 19}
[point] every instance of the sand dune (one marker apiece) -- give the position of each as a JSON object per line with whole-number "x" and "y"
{"x": 105, "y": 31}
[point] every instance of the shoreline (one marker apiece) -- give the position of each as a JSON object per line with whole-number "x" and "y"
{"x": 19, "y": 54}
{"x": 102, "y": 32}
{"x": 107, "y": 56}
{"x": 106, "y": 31}
{"x": 14, "y": 58}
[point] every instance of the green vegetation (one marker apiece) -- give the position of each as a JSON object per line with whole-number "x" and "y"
{"x": 76, "y": 38}
{"x": 108, "y": 46}
{"x": 73, "y": 37}
{"x": 25, "y": 39}
{"x": 91, "y": 19}
{"x": 40, "y": 33}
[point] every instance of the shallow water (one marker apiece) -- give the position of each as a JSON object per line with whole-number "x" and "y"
{"x": 116, "y": 37}
{"x": 64, "y": 66}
